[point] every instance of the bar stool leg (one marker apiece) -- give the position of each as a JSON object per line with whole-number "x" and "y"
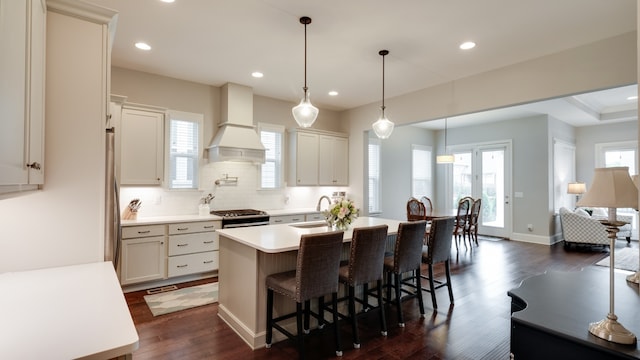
{"x": 352, "y": 313}
{"x": 307, "y": 313}
{"x": 336, "y": 323}
{"x": 300, "y": 331}
{"x": 365, "y": 297}
{"x": 447, "y": 268}
{"x": 432, "y": 286}
{"x": 321, "y": 308}
{"x": 383, "y": 321}
{"x": 398, "y": 299}
{"x": 419, "y": 291}
{"x": 269, "y": 318}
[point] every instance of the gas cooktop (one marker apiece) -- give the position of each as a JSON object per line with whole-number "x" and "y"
{"x": 237, "y": 212}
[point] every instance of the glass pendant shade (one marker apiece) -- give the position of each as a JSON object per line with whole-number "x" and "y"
{"x": 305, "y": 113}
{"x": 445, "y": 159}
{"x": 383, "y": 127}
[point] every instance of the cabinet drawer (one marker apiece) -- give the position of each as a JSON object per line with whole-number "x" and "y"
{"x": 194, "y": 227}
{"x": 193, "y": 263}
{"x": 193, "y": 243}
{"x": 142, "y": 231}
{"x": 314, "y": 217}
{"x": 286, "y": 219}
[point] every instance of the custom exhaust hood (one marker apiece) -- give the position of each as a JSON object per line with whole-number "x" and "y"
{"x": 236, "y": 138}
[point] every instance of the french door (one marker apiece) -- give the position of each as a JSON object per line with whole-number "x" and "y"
{"x": 484, "y": 171}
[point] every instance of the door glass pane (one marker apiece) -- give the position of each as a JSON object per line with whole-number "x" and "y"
{"x": 493, "y": 188}
{"x": 461, "y": 177}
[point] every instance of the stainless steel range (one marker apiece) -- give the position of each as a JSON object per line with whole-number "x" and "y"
{"x": 242, "y": 218}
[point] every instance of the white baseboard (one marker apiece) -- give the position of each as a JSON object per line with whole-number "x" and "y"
{"x": 534, "y": 239}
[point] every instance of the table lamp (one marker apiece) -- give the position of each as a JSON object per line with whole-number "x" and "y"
{"x": 611, "y": 188}
{"x": 577, "y": 188}
{"x": 635, "y": 278}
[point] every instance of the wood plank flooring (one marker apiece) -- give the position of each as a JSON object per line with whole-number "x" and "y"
{"x": 476, "y": 327}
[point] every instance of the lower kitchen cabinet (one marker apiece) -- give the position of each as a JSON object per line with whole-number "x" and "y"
{"x": 193, "y": 248}
{"x": 168, "y": 250}
{"x": 143, "y": 254}
{"x": 286, "y": 219}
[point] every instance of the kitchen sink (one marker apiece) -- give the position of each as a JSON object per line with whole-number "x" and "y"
{"x": 309, "y": 225}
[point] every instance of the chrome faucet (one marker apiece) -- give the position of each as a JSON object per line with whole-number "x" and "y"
{"x": 320, "y": 201}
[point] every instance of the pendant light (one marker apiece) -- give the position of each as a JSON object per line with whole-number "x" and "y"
{"x": 383, "y": 127}
{"x": 446, "y": 158}
{"x": 305, "y": 113}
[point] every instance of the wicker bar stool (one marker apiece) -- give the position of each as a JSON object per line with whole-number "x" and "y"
{"x": 366, "y": 260}
{"x": 406, "y": 257}
{"x": 438, "y": 250}
{"x": 316, "y": 275}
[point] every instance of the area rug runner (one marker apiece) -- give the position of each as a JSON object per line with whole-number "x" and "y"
{"x": 181, "y": 299}
{"x": 625, "y": 259}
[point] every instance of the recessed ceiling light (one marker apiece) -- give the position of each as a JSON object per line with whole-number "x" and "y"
{"x": 167, "y": 1}
{"x": 257, "y": 74}
{"x": 635, "y": 97}
{"x": 467, "y": 45}
{"x": 143, "y": 46}
{"x": 333, "y": 93}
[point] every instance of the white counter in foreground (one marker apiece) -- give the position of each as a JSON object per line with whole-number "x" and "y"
{"x": 66, "y": 312}
{"x": 248, "y": 255}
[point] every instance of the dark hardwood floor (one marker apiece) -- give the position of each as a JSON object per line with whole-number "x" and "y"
{"x": 476, "y": 327}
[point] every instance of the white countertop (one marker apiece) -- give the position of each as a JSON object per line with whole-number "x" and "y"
{"x": 66, "y": 312}
{"x": 286, "y": 237}
{"x": 153, "y": 220}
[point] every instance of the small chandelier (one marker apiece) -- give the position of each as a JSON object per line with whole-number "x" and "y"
{"x": 383, "y": 127}
{"x": 305, "y": 113}
{"x": 446, "y": 158}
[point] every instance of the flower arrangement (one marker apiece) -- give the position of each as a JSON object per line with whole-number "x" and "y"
{"x": 341, "y": 214}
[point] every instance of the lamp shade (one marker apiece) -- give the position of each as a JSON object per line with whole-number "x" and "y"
{"x": 383, "y": 127}
{"x": 305, "y": 113}
{"x": 445, "y": 159}
{"x": 612, "y": 188}
{"x": 576, "y": 188}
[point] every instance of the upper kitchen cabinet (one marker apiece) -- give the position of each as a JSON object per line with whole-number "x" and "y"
{"x": 22, "y": 64}
{"x": 141, "y": 145}
{"x": 318, "y": 158}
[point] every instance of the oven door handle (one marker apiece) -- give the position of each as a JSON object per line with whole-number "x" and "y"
{"x": 247, "y": 224}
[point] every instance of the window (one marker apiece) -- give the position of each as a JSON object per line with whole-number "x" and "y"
{"x": 421, "y": 175}
{"x": 374, "y": 175}
{"x": 272, "y": 137}
{"x": 564, "y": 172}
{"x": 184, "y": 144}
{"x": 617, "y": 154}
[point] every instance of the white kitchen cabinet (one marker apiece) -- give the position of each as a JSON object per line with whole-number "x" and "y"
{"x": 143, "y": 254}
{"x": 318, "y": 158}
{"x": 22, "y": 65}
{"x": 333, "y": 164}
{"x": 286, "y": 219}
{"x": 314, "y": 216}
{"x": 142, "y": 145}
{"x": 193, "y": 248}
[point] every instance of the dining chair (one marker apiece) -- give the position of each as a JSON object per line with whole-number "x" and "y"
{"x": 407, "y": 257}
{"x": 438, "y": 250}
{"x": 366, "y": 260}
{"x": 428, "y": 205}
{"x": 461, "y": 220}
{"x": 472, "y": 225}
{"x": 316, "y": 274}
{"x": 415, "y": 210}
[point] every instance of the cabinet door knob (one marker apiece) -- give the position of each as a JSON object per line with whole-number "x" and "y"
{"x": 34, "y": 165}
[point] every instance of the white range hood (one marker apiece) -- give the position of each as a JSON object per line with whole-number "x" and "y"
{"x": 236, "y": 138}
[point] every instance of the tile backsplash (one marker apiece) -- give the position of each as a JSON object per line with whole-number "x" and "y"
{"x": 245, "y": 193}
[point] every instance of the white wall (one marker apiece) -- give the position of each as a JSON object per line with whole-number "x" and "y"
{"x": 64, "y": 223}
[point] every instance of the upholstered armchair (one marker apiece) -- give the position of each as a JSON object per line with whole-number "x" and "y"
{"x": 580, "y": 228}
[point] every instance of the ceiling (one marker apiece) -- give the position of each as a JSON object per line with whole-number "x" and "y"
{"x": 219, "y": 41}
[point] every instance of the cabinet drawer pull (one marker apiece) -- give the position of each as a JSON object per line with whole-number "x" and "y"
{"x": 182, "y": 266}
{"x": 277, "y": 221}
{"x": 182, "y": 229}
{"x": 144, "y": 232}
{"x": 180, "y": 245}
{"x": 295, "y": 219}
{"x": 207, "y": 262}
{"x": 209, "y": 227}
{"x": 208, "y": 242}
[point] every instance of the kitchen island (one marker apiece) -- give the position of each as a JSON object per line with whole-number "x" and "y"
{"x": 248, "y": 255}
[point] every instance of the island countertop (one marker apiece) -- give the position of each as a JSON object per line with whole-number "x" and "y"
{"x": 286, "y": 237}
